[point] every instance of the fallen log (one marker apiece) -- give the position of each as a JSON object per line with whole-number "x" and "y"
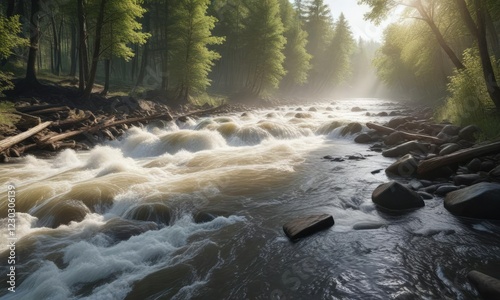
{"x": 406, "y": 135}
{"x": 27, "y": 121}
{"x": 70, "y": 122}
{"x": 432, "y": 164}
{"x": 28, "y": 109}
{"x": 13, "y": 140}
{"x": 50, "y": 110}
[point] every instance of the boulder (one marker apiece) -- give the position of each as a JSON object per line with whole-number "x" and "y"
{"x": 487, "y": 166}
{"x": 449, "y": 149}
{"x": 351, "y": 128}
{"x": 306, "y": 226}
{"x": 395, "y": 122}
{"x": 329, "y": 108}
{"x": 382, "y": 114}
{"x": 394, "y": 138}
{"x": 395, "y": 196}
{"x": 480, "y": 201}
{"x": 357, "y": 109}
{"x": 469, "y": 132}
{"x": 466, "y": 179}
{"x": 299, "y": 109}
{"x": 363, "y": 139}
{"x": 425, "y": 196}
{"x": 445, "y": 189}
{"x": 487, "y": 286}
{"x": 406, "y": 148}
{"x": 302, "y": 115}
{"x": 406, "y": 166}
{"x": 495, "y": 173}
{"x": 450, "y": 130}
{"x": 474, "y": 165}
{"x": 313, "y": 108}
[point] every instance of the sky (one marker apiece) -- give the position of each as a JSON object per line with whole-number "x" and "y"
{"x": 354, "y": 14}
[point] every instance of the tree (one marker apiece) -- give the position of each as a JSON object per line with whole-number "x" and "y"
{"x": 191, "y": 60}
{"x": 34, "y": 42}
{"x": 9, "y": 30}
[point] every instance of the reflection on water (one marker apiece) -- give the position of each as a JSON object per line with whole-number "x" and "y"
{"x": 117, "y": 222}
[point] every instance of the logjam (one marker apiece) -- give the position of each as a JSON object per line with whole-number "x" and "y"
{"x": 432, "y": 164}
{"x": 11, "y": 141}
{"x": 406, "y": 135}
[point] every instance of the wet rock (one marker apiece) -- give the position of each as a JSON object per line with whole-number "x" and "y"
{"x": 363, "y": 138}
{"x": 377, "y": 147}
{"x": 351, "y": 128}
{"x": 329, "y": 108}
{"x": 394, "y": 138}
{"x": 382, "y": 114}
{"x": 487, "y": 286}
{"x": 368, "y": 225}
{"x": 376, "y": 171}
{"x": 299, "y": 109}
{"x": 406, "y": 166}
{"x": 206, "y": 216}
{"x": 357, "y": 109}
{"x": 313, "y": 109}
{"x": 62, "y": 213}
{"x": 466, "y": 179}
{"x": 449, "y": 149}
{"x": 395, "y": 122}
{"x": 474, "y": 165}
{"x": 480, "y": 201}
{"x": 406, "y": 148}
{"x": 415, "y": 184}
{"x": 394, "y": 113}
{"x": 450, "y": 130}
{"x": 469, "y": 133}
{"x": 395, "y": 196}
{"x": 306, "y": 226}
{"x": 445, "y": 189}
{"x": 425, "y": 196}
{"x": 431, "y": 189}
{"x": 487, "y": 166}
{"x": 153, "y": 212}
{"x": 368, "y": 114}
{"x": 495, "y": 173}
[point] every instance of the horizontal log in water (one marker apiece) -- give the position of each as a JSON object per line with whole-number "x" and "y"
{"x": 406, "y": 135}
{"x": 13, "y": 140}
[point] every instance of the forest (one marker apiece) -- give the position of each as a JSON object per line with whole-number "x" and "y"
{"x": 439, "y": 52}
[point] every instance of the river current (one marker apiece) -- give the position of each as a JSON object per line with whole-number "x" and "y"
{"x": 80, "y": 235}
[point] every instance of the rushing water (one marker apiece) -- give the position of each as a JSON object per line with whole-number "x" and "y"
{"x": 79, "y": 236}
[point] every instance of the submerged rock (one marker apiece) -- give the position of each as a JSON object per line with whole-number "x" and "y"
{"x": 487, "y": 286}
{"x": 395, "y": 196}
{"x": 207, "y": 216}
{"x": 480, "y": 201}
{"x": 306, "y": 226}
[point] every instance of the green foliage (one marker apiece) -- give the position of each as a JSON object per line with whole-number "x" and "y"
{"x": 469, "y": 102}
{"x": 9, "y": 39}
{"x": 6, "y": 116}
{"x": 191, "y": 60}
{"x": 318, "y": 24}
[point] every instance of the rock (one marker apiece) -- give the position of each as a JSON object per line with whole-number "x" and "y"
{"x": 474, "y": 165}
{"x": 487, "y": 286}
{"x": 363, "y": 139}
{"x": 306, "y": 226}
{"x": 415, "y": 184}
{"x": 449, "y": 149}
{"x": 480, "y": 201}
{"x": 351, "y": 128}
{"x": 450, "y": 130}
{"x": 466, "y": 179}
{"x": 487, "y": 166}
{"x": 204, "y": 217}
{"x": 154, "y": 212}
{"x": 432, "y": 188}
{"x": 368, "y": 114}
{"x": 469, "y": 133}
{"x": 495, "y": 173}
{"x": 406, "y": 148}
{"x": 395, "y": 122}
{"x": 302, "y": 115}
{"x": 329, "y": 108}
{"x": 445, "y": 189}
{"x": 382, "y": 114}
{"x": 394, "y": 138}
{"x": 394, "y": 113}
{"x": 299, "y": 109}
{"x": 368, "y": 225}
{"x": 425, "y": 196}
{"x": 357, "y": 109}
{"x": 395, "y": 196}
{"x": 313, "y": 108}
{"x": 406, "y": 166}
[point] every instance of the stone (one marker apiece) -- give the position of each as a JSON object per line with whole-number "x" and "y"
{"x": 474, "y": 165}
{"x": 469, "y": 133}
{"x": 466, "y": 179}
{"x": 395, "y": 196}
{"x": 367, "y": 225}
{"x": 487, "y": 166}
{"x": 406, "y": 148}
{"x": 357, "y": 109}
{"x": 382, "y": 114}
{"x": 425, "y": 196}
{"x": 406, "y": 166}
{"x": 363, "y": 138}
{"x": 313, "y": 108}
{"x": 487, "y": 286}
{"x": 480, "y": 201}
{"x": 395, "y": 122}
{"x": 299, "y": 109}
{"x": 306, "y": 226}
{"x": 449, "y": 149}
{"x": 394, "y": 138}
{"x": 351, "y": 128}
{"x": 394, "y": 113}
{"x": 329, "y": 108}
{"x": 450, "y": 130}
{"x": 368, "y": 114}
{"x": 495, "y": 173}
{"x": 445, "y": 189}
{"x": 302, "y": 115}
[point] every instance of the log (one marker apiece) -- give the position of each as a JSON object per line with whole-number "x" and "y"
{"x": 27, "y": 121}
{"x": 27, "y": 109}
{"x": 406, "y": 135}
{"x": 70, "y": 122}
{"x": 51, "y": 110}
{"x": 432, "y": 164}
{"x": 13, "y": 140}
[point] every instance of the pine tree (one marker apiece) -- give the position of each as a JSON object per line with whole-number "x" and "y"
{"x": 191, "y": 60}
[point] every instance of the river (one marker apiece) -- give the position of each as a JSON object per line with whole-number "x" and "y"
{"x": 78, "y": 237}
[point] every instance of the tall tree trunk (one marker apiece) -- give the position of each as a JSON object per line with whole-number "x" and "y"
{"x": 55, "y": 62}
{"x": 145, "y": 51}
{"x": 82, "y": 52}
{"x": 97, "y": 50}
{"x": 107, "y": 69}
{"x": 73, "y": 51}
{"x": 10, "y": 8}
{"x": 34, "y": 41}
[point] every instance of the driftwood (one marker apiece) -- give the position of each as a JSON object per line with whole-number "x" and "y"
{"x": 50, "y": 110}
{"x": 13, "y": 140}
{"x": 28, "y": 109}
{"x": 406, "y": 135}
{"x": 27, "y": 121}
{"x": 432, "y": 164}
{"x": 70, "y": 122}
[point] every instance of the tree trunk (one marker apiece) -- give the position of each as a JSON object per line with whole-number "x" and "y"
{"x": 82, "y": 52}
{"x": 34, "y": 41}
{"x": 10, "y": 8}
{"x": 145, "y": 51}
{"x": 55, "y": 64}
{"x": 97, "y": 50}
{"x": 107, "y": 67}
{"x": 73, "y": 51}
